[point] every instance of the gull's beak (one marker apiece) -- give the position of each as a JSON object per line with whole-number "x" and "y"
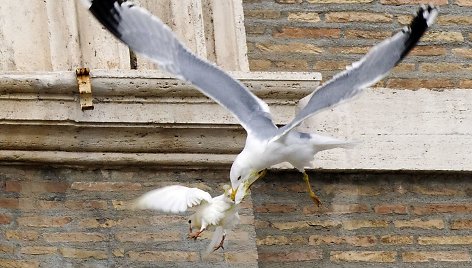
{"x": 233, "y": 193}
{"x": 243, "y": 188}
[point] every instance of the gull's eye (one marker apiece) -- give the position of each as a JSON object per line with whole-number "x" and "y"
{"x": 189, "y": 221}
{"x": 260, "y": 172}
{"x": 239, "y": 178}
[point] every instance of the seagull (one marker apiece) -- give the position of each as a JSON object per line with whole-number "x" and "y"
{"x": 266, "y": 143}
{"x": 220, "y": 211}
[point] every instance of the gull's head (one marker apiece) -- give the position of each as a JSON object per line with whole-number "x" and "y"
{"x": 242, "y": 177}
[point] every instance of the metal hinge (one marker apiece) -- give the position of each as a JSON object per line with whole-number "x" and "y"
{"x": 85, "y": 88}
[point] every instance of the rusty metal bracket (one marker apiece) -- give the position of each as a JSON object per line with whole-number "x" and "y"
{"x": 85, "y": 88}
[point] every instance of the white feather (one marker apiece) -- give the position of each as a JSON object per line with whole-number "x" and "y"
{"x": 174, "y": 199}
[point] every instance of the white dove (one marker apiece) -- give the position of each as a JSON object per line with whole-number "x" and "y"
{"x": 219, "y": 211}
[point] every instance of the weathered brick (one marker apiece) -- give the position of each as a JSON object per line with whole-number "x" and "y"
{"x": 74, "y": 237}
{"x": 75, "y": 253}
{"x": 439, "y": 256}
{"x": 7, "y": 249}
{"x": 291, "y": 255}
{"x": 465, "y": 83}
{"x": 339, "y": 1}
{"x": 255, "y": 29}
{"x": 337, "y": 209}
{"x": 464, "y": 3}
{"x": 414, "y": 2}
{"x": 106, "y": 186}
{"x": 44, "y": 221}
{"x": 275, "y": 208}
{"x": 292, "y": 65}
{"x": 441, "y": 208}
{"x": 148, "y": 237}
{"x": 262, "y": 14}
{"x": 448, "y": 37}
{"x": 36, "y": 186}
{"x": 159, "y": 256}
{"x": 260, "y": 65}
{"x": 5, "y": 219}
{"x": 304, "y": 16}
{"x": 445, "y": 240}
{"x": 322, "y": 65}
{"x": 357, "y": 241}
{"x": 6, "y": 263}
{"x": 86, "y": 204}
{"x": 361, "y": 34}
{"x": 442, "y": 189}
{"x": 348, "y": 50}
{"x": 244, "y": 257}
{"x": 396, "y": 239}
{"x": 118, "y": 252}
{"x": 461, "y": 224}
{"x": 132, "y": 222}
{"x": 443, "y": 68}
{"x": 363, "y": 256}
{"x": 289, "y": 48}
{"x": 428, "y": 51}
{"x": 413, "y": 83}
{"x": 305, "y": 224}
{"x": 38, "y": 250}
{"x": 9, "y": 203}
{"x": 271, "y": 240}
{"x": 391, "y": 209}
{"x": 288, "y": 1}
{"x": 357, "y": 17}
{"x": 295, "y": 32}
{"x": 404, "y": 19}
{"x": 21, "y": 235}
{"x": 420, "y": 224}
{"x": 454, "y": 20}
{"x": 359, "y": 224}
{"x": 462, "y": 52}
{"x": 353, "y": 190}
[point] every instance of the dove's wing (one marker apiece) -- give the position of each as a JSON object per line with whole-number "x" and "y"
{"x": 175, "y": 199}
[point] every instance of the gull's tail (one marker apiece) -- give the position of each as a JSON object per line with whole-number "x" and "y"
{"x": 322, "y": 143}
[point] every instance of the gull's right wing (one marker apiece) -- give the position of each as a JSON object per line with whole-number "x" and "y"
{"x": 367, "y": 71}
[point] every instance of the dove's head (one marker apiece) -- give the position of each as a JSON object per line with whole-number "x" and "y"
{"x": 242, "y": 177}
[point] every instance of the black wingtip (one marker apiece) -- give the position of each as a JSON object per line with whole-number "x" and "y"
{"x": 108, "y": 13}
{"x": 424, "y": 18}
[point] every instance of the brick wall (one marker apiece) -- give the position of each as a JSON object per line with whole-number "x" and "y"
{"x": 327, "y": 35}
{"x": 393, "y": 219}
{"x": 63, "y": 217}
{"x": 81, "y": 218}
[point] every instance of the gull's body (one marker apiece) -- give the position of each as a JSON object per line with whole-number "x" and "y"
{"x": 266, "y": 144}
{"x": 219, "y": 211}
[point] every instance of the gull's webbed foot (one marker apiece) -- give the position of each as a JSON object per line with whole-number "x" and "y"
{"x": 220, "y": 245}
{"x": 312, "y": 194}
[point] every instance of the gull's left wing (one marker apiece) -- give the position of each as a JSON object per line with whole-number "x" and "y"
{"x": 149, "y": 36}
{"x": 370, "y": 69}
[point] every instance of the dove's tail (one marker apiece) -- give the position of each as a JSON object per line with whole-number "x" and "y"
{"x": 215, "y": 240}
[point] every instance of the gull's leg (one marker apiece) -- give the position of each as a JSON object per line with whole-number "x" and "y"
{"x": 196, "y": 234}
{"x": 221, "y": 243}
{"x": 313, "y": 196}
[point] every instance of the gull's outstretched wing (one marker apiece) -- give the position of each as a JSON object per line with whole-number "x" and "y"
{"x": 367, "y": 71}
{"x": 174, "y": 199}
{"x": 149, "y": 36}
